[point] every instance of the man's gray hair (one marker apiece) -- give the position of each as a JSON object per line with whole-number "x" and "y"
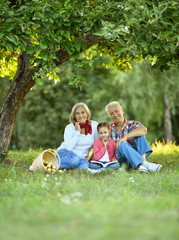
{"x": 112, "y": 104}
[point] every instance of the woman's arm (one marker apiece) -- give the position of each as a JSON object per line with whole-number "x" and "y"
{"x": 94, "y": 129}
{"x": 71, "y": 137}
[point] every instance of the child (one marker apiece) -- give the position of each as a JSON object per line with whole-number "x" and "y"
{"x": 104, "y": 150}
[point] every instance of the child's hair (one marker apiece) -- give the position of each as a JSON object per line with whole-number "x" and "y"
{"x": 103, "y": 124}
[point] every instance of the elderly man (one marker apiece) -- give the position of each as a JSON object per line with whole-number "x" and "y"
{"x": 132, "y": 146}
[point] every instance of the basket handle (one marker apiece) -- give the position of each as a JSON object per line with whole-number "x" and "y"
{"x": 59, "y": 162}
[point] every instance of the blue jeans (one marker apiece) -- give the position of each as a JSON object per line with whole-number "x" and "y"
{"x": 114, "y": 166}
{"x": 70, "y": 160}
{"x": 132, "y": 155}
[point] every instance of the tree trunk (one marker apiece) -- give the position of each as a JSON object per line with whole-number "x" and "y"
{"x": 167, "y": 119}
{"x": 22, "y": 83}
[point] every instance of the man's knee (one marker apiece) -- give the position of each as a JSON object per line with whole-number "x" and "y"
{"x": 142, "y": 146}
{"x": 123, "y": 146}
{"x": 140, "y": 139}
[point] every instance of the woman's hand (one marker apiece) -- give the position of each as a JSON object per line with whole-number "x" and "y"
{"x": 77, "y": 126}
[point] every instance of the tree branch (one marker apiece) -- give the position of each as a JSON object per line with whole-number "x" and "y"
{"x": 63, "y": 56}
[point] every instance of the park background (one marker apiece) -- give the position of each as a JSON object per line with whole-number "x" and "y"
{"x": 146, "y": 95}
{"x": 98, "y": 38}
{"x": 76, "y": 204}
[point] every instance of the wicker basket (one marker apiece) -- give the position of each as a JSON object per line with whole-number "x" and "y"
{"x": 49, "y": 156}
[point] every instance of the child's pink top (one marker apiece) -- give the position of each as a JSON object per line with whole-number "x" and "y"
{"x": 99, "y": 150}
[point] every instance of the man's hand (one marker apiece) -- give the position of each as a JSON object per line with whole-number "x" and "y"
{"x": 118, "y": 143}
{"x": 139, "y": 131}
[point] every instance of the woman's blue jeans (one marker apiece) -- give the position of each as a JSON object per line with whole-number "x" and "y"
{"x": 132, "y": 155}
{"x": 70, "y": 160}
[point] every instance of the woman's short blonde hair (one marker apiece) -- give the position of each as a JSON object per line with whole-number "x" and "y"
{"x": 72, "y": 115}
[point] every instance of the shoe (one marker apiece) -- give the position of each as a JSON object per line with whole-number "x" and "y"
{"x": 31, "y": 168}
{"x": 153, "y": 167}
{"x": 141, "y": 168}
{"x": 93, "y": 170}
{"x": 120, "y": 169}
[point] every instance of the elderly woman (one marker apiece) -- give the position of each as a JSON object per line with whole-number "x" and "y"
{"x": 79, "y": 137}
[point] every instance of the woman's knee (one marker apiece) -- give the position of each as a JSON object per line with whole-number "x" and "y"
{"x": 83, "y": 164}
{"x": 75, "y": 160}
{"x": 69, "y": 158}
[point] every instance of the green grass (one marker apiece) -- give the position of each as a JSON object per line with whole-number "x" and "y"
{"x": 79, "y": 205}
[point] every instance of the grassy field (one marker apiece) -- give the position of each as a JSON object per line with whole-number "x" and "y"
{"x": 78, "y": 205}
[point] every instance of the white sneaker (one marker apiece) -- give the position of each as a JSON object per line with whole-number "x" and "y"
{"x": 120, "y": 169}
{"x": 153, "y": 167}
{"x": 141, "y": 168}
{"x": 31, "y": 168}
{"x": 93, "y": 170}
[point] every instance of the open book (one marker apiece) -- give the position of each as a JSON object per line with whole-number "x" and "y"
{"x": 103, "y": 164}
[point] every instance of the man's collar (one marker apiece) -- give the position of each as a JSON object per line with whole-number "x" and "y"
{"x": 125, "y": 124}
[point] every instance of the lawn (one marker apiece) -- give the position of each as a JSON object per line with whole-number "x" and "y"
{"x": 80, "y": 205}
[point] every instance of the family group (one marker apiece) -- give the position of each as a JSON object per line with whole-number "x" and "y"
{"x": 121, "y": 142}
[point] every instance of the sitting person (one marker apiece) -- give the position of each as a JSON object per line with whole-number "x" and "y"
{"x": 132, "y": 146}
{"x": 104, "y": 150}
{"x": 79, "y": 137}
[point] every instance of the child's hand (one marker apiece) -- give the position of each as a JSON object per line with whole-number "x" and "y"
{"x": 105, "y": 143}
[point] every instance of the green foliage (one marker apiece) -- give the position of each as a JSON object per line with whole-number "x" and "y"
{"x": 130, "y": 30}
{"x": 101, "y": 206}
{"x": 143, "y": 28}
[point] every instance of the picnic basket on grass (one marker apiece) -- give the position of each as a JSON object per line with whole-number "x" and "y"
{"x": 49, "y": 156}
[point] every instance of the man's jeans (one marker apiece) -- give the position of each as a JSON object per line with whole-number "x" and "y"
{"x": 132, "y": 156}
{"x": 70, "y": 160}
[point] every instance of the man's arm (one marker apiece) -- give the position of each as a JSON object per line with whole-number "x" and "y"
{"x": 139, "y": 131}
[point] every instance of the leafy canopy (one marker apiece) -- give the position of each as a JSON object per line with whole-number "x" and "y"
{"x": 130, "y": 30}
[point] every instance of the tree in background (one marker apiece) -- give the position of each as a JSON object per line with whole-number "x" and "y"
{"x": 169, "y": 93}
{"x": 43, "y": 34}
{"x": 140, "y": 92}
{"x": 45, "y": 113}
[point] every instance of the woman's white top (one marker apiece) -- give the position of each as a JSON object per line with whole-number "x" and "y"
{"x": 79, "y": 143}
